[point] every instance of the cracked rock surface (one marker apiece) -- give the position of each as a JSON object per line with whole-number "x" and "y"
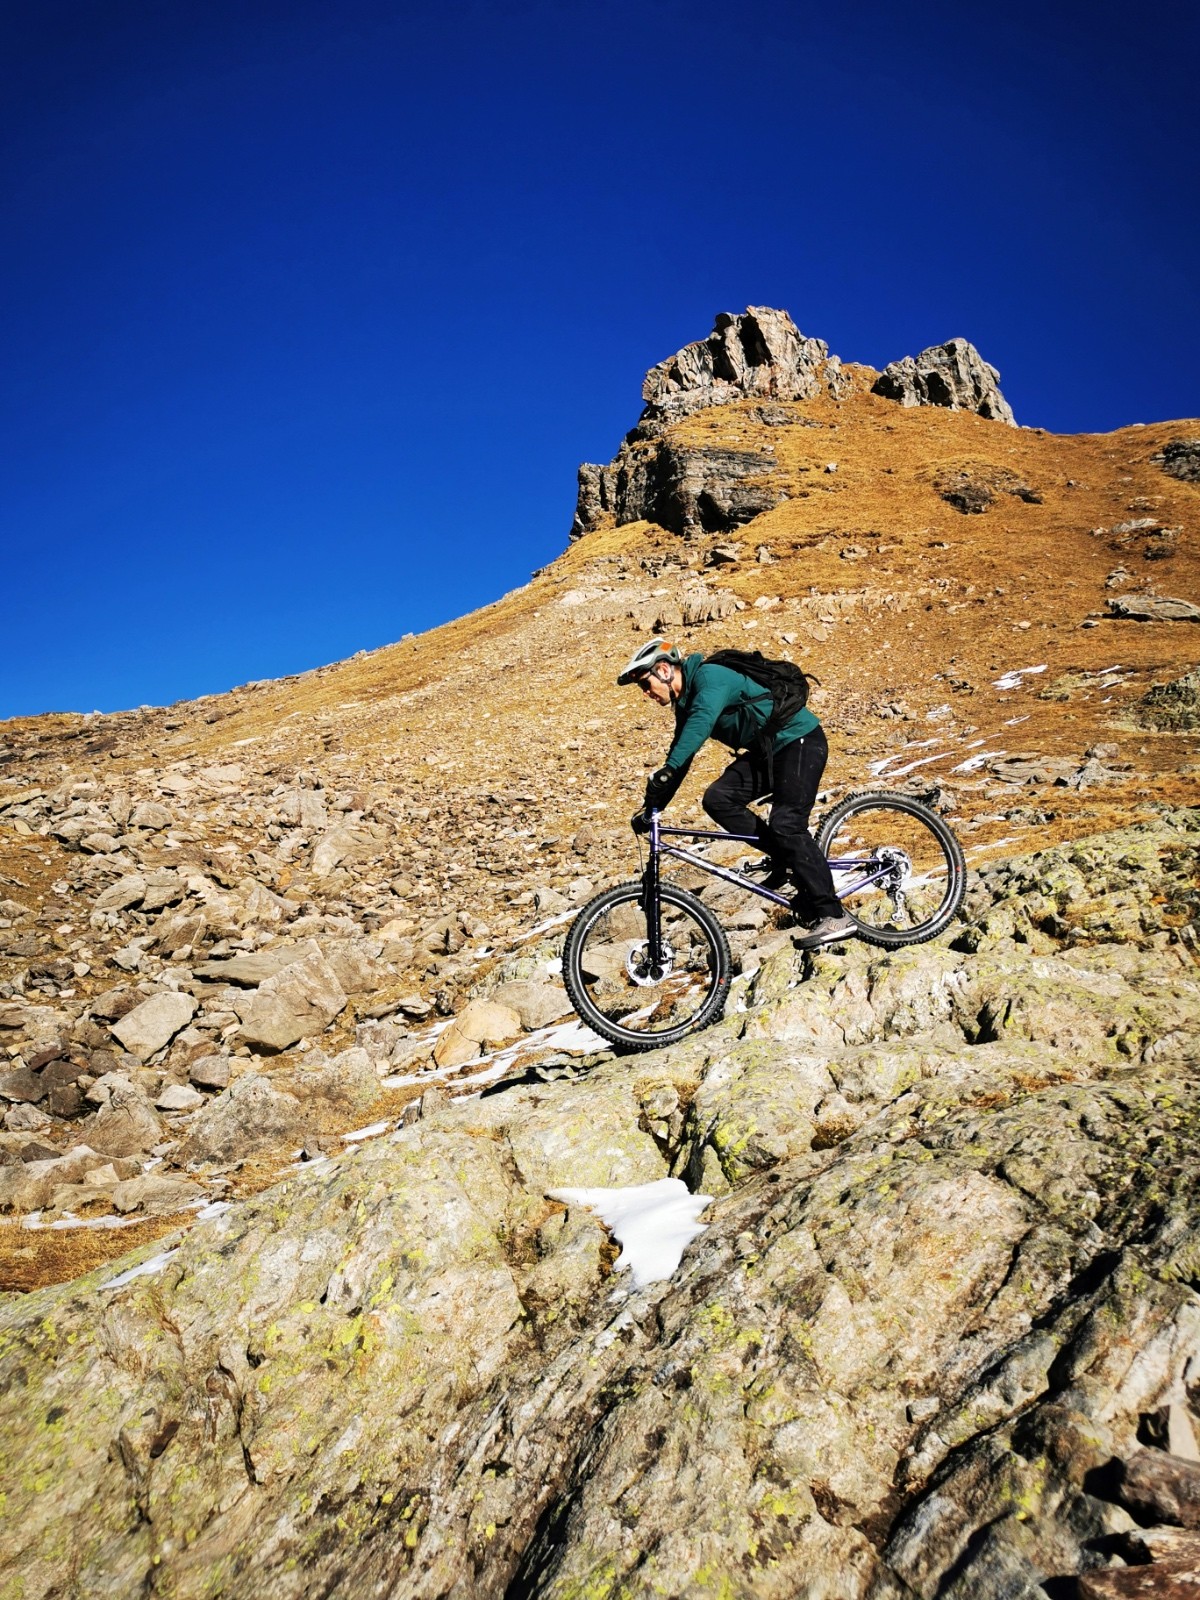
{"x": 948, "y": 1281}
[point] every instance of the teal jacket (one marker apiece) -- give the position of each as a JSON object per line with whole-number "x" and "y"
{"x": 719, "y": 703}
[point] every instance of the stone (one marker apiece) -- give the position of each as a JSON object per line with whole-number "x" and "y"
{"x": 124, "y": 893}
{"x": 348, "y": 1082}
{"x": 305, "y": 808}
{"x": 149, "y": 1026}
{"x": 157, "y": 1194}
{"x": 1171, "y": 707}
{"x": 537, "y": 1004}
{"x": 488, "y": 1022}
{"x": 353, "y": 968}
{"x": 309, "y": 988}
{"x": 953, "y": 375}
{"x": 210, "y": 1072}
{"x": 150, "y": 815}
{"x": 126, "y": 1124}
{"x": 1159, "y": 1582}
{"x": 250, "y": 1116}
{"x": 269, "y": 1024}
{"x": 1154, "y": 608}
{"x": 25, "y": 1118}
{"x": 179, "y": 1097}
{"x": 247, "y": 971}
{"x": 22, "y": 1085}
{"x": 332, "y": 848}
{"x": 1180, "y": 459}
{"x": 1162, "y": 1487}
{"x": 482, "y": 1022}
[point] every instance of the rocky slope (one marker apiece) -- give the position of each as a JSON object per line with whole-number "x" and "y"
{"x": 260, "y": 953}
{"x": 947, "y": 1288}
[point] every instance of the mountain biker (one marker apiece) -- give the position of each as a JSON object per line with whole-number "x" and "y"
{"x": 713, "y": 701}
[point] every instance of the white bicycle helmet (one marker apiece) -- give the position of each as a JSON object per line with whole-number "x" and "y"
{"x": 649, "y": 655}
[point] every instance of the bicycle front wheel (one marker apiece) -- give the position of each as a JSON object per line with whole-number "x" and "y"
{"x": 897, "y": 868}
{"x": 607, "y": 975}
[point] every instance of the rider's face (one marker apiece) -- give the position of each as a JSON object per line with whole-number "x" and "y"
{"x": 658, "y": 688}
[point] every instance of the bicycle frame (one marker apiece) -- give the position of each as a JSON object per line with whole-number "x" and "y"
{"x": 652, "y": 876}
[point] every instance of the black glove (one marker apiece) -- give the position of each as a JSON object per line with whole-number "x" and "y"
{"x": 640, "y": 821}
{"x": 660, "y": 787}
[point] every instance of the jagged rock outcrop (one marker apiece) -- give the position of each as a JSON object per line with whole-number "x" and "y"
{"x": 1180, "y": 459}
{"x": 953, "y": 375}
{"x": 759, "y": 355}
{"x": 685, "y": 490}
{"x": 1171, "y": 707}
{"x": 948, "y": 1279}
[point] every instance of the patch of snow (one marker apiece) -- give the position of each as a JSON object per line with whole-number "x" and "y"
{"x": 541, "y": 927}
{"x": 370, "y": 1132}
{"x": 573, "y": 1036}
{"x": 1012, "y": 721}
{"x": 876, "y": 768}
{"x": 144, "y": 1270}
{"x": 213, "y": 1208}
{"x": 1012, "y": 680}
{"x": 652, "y": 1222}
{"x": 70, "y": 1220}
{"x": 973, "y": 762}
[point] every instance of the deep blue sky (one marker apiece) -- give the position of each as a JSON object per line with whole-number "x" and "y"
{"x": 313, "y": 309}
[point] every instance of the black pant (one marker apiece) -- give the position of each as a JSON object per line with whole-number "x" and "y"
{"x": 797, "y": 777}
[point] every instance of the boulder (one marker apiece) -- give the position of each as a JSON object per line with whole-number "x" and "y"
{"x": 120, "y": 896}
{"x": 483, "y": 1022}
{"x": 250, "y": 1116}
{"x": 269, "y": 1024}
{"x": 953, "y": 375}
{"x": 1171, "y": 707}
{"x": 210, "y": 1072}
{"x": 148, "y": 1027}
{"x": 179, "y": 1097}
{"x": 150, "y": 815}
{"x": 28, "y": 1186}
{"x": 348, "y": 1082}
{"x": 536, "y": 1004}
{"x": 248, "y": 971}
{"x": 1154, "y": 608}
{"x": 309, "y": 988}
{"x": 1180, "y": 459}
{"x": 155, "y": 1193}
{"x": 22, "y": 1085}
{"x": 127, "y": 1125}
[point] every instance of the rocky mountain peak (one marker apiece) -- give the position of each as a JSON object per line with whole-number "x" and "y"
{"x": 953, "y": 374}
{"x": 760, "y": 354}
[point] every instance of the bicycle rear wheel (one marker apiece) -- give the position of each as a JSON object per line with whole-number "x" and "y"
{"x": 607, "y": 976}
{"x": 896, "y": 865}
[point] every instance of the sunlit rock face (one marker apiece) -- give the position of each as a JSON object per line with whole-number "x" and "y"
{"x": 945, "y": 1281}
{"x": 757, "y": 355}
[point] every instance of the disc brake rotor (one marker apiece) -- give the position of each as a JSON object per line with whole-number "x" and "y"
{"x": 637, "y": 964}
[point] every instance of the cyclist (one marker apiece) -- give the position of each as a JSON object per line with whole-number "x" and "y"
{"x": 713, "y": 701}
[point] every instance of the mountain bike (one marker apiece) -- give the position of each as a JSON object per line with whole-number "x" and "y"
{"x": 647, "y": 962}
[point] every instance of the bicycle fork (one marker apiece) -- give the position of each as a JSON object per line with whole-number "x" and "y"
{"x": 652, "y": 903}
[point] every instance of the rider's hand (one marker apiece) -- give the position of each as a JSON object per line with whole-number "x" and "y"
{"x": 640, "y": 821}
{"x": 660, "y": 786}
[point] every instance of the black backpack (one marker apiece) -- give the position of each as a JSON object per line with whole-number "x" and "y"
{"x": 783, "y": 680}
